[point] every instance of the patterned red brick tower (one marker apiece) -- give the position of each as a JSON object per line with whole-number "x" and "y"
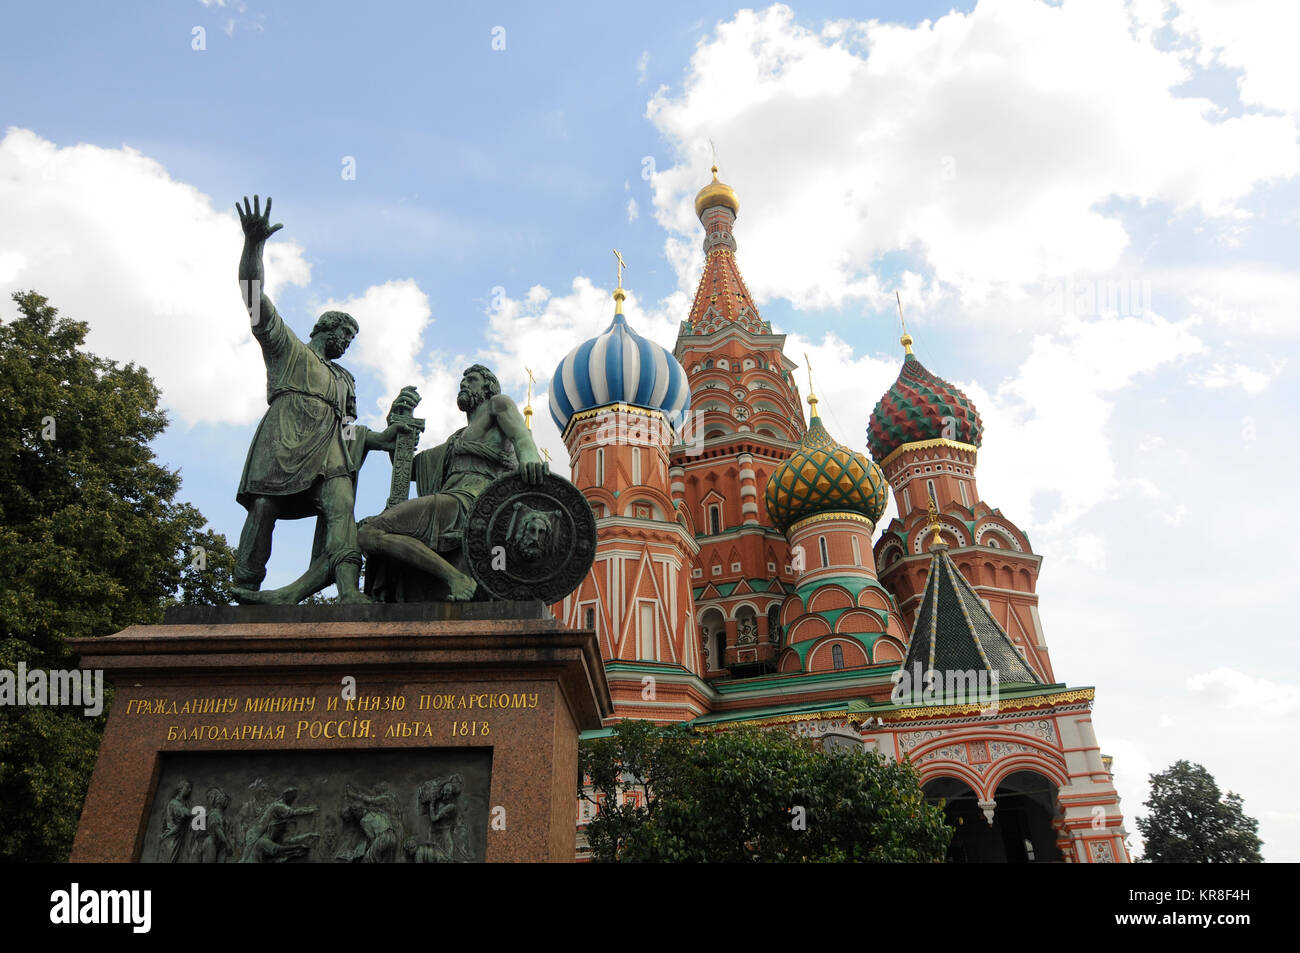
{"x": 925, "y": 434}
{"x": 618, "y": 400}
{"x": 746, "y": 421}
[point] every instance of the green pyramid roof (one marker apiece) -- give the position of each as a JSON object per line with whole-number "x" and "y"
{"x": 955, "y": 631}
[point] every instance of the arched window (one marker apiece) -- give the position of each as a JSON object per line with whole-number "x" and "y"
{"x": 589, "y": 619}
{"x": 636, "y": 466}
{"x": 600, "y": 467}
{"x": 961, "y": 485}
{"x": 837, "y": 656}
{"x": 774, "y": 623}
{"x": 929, "y": 485}
{"x": 715, "y": 519}
{"x": 857, "y": 553}
{"x": 821, "y": 544}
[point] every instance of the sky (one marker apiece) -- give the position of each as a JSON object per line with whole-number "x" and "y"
{"x": 1091, "y": 212}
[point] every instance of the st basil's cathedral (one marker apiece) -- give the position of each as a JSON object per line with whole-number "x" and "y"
{"x": 736, "y": 580}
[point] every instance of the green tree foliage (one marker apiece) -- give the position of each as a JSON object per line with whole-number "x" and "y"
{"x": 749, "y": 794}
{"x": 1190, "y": 822}
{"x": 92, "y": 540}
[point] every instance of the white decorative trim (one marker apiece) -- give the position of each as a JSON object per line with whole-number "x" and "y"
{"x": 999, "y": 531}
{"x": 924, "y": 534}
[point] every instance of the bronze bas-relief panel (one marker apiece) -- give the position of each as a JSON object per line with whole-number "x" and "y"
{"x": 410, "y": 806}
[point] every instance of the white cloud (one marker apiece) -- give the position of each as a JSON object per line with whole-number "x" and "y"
{"x": 1047, "y": 456}
{"x": 642, "y": 66}
{"x": 1240, "y": 298}
{"x": 392, "y": 319}
{"x": 1256, "y": 37}
{"x": 1229, "y": 688}
{"x": 1250, "y": 379}
{"x": 147, "y": 261}
{"x": 633, "y": 211}
{"x": 988, "y": 142}
{"x": 1179, "y": 515}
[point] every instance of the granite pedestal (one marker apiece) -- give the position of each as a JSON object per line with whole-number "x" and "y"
{"x": 374, "y": 733}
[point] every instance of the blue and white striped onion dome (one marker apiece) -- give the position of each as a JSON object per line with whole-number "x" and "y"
{"x": 616, "y": 366}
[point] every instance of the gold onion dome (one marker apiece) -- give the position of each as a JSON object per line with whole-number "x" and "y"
{"x": 823, "y": 477}
{"x": 716, "y": 193}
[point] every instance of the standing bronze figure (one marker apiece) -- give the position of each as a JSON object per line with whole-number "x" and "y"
{"x": 308, "y": 448}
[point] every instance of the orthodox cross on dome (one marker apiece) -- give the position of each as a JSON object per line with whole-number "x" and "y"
{"x": 528, "y": 401}
{"x": 547, "y": 454}
{"x": 906, "y": 339}
{"x": 714, "y": 150}
{"x": 812, "y": 398}
{"x": 618, "y": 291}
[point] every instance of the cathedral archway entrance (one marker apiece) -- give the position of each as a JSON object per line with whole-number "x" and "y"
{"x": 1026, "y": 805}
{"x": 972, "y": 840}
{"x": 1021, "y": 832}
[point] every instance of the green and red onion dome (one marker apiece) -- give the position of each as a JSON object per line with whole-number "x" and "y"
{"x": 918, "y": 407}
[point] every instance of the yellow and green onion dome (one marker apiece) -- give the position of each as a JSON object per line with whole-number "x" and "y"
{"x": 821, "y": 477}
{"x": 921, "y": 406}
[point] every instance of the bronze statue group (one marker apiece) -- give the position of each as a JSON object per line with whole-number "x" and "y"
{"x": 308, "y": 449}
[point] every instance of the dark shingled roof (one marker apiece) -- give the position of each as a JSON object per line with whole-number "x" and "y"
{"x": 955, "y": 631}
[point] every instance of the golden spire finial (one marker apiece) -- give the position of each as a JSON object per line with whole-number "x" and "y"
{"x": 906, "y": 339}
{"x": 932, "y": 509}
{"x": 716, "y": 193}
{"x": 547, "y": 454}
{"x": 528, "y": 402}
{"x": 619, "y": 294}
{"x": 812, "y": 398}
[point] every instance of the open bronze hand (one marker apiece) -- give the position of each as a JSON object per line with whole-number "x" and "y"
{"x": 256, "y": 223}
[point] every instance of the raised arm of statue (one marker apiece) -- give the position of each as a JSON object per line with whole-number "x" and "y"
{"x": 507, "y": 416}
{"x": 269, "y": 330}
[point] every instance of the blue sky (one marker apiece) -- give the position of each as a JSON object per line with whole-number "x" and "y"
{"x": 1003, "y": 165}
